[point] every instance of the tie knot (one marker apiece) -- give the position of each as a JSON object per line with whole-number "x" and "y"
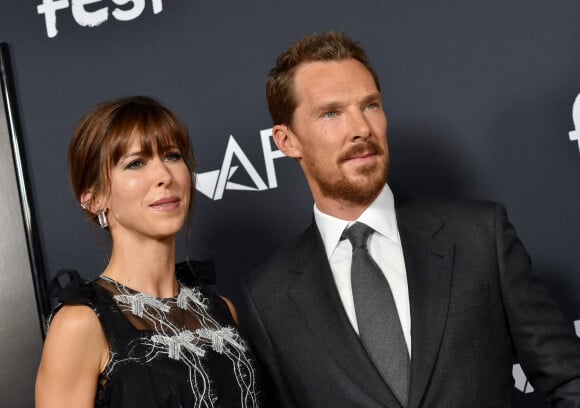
{"x": 358, "y": 234}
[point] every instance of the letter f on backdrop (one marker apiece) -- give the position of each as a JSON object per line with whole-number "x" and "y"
{"x": 575, "y": 134}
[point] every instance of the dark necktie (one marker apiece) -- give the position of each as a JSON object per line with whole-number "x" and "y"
{"x": 376, "y": 314}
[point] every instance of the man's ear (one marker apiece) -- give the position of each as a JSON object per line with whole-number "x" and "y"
{"x": 287, "y": 141}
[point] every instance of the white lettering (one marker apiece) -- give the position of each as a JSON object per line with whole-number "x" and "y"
{"x": 521, "y": 382}
{"x": 132, "y": 13}
{"x": 157, "y": 6}
{"x": 575, "y": 134}
{"x": 95, "y": 17}
{"x": 269, "y": 156}
{"x": 85, "y": 18}
{"x": 48, "y": 8}
{"x": 234, "y": 149}
{"x": 213, "y": 183}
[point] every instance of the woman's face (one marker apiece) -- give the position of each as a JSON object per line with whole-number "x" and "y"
{"x": 149, "y": 195}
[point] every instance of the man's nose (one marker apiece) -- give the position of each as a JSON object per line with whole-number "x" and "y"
{"x": 360, "y": 127}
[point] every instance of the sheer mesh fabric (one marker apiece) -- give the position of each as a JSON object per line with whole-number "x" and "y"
{"x": 176, "y": 317}
{"x": 183, "y": 351}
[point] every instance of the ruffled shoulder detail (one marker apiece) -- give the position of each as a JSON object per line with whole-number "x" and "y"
{"x": 78, "y": 291}
{"x": 192, "y": 273}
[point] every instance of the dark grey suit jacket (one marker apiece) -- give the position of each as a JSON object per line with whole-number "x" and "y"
{"x": 475, "y": 309}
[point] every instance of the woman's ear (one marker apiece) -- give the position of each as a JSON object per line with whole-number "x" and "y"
{"x": 89, "y": 203}
{"x": 287, "y": 141}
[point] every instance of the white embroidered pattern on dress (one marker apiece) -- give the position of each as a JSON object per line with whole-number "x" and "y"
{"x": 188, "y": 346}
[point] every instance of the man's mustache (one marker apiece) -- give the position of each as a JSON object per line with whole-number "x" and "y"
{"x": 366, "y": 147}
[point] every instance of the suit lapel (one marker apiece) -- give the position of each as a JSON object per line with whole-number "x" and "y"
{"x": 428, "y": 262}
{"x": 315, "y": 295}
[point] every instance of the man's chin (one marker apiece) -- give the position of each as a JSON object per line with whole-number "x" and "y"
{"x": 361, "y": 192}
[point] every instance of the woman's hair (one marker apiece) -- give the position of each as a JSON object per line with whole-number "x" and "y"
{"x": 105, "y": 134}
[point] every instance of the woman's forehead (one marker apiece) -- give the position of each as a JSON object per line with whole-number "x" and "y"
{"x": 149, "y": 142}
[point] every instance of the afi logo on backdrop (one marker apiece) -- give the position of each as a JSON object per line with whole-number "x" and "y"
{"x": 575, "y": 134}
{"x": 214, "y": 183}
{"x": 93, "y": 15}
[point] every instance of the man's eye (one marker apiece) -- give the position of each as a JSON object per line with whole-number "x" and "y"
{"x": 372, "y": 106}
{"x": 173, "y": 156}
{"x": 134, "y": 164}
{"x": 330, "y": 115}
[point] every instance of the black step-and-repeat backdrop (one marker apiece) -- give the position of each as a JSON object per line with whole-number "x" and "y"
{"x": 479, "y": 96}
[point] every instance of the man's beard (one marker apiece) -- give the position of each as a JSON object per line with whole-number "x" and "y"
{"x": 339, "y": 186}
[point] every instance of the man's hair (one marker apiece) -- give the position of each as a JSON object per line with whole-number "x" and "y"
{"x": 330, "y": 46}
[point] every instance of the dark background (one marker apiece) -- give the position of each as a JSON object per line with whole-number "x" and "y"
{"x": 478, "y": 95}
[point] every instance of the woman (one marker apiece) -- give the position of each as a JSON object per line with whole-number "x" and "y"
{"x": 140, "y": 335}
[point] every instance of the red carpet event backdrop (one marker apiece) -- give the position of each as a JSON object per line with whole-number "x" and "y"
{"x": 482, "y": 100}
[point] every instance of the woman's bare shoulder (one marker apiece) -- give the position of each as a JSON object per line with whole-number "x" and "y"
{"x": 75, "y": 352}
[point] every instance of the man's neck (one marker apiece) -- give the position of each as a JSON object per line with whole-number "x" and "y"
{"x": 342, "y": 209}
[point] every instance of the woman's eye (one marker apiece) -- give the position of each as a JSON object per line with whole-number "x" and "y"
{"x": 134, "y": 164}
{"x": 173, "y": 156}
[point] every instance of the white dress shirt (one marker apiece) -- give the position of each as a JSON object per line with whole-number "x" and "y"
{"x": 384, "y": 247}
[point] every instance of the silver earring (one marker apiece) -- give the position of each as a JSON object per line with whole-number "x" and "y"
{"x": 102, "y": 217}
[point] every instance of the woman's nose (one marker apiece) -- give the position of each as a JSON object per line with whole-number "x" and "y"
{"x": 161, "y": 172}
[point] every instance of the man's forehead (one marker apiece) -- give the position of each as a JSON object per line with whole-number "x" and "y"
{"x": 323, "y": 79}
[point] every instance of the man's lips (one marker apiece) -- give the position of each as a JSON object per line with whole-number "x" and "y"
{"x": 362, "y": 155}
{"x": 165, "y": 204}
{"x": 362, "y": 151}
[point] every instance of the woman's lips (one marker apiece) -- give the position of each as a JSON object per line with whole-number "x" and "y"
{"x": 165, "y": 204}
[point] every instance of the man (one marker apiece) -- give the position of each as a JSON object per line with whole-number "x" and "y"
{"x": 454, "y": 280}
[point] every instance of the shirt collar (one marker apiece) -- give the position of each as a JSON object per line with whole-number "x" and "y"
{"x": 380, "y": 216}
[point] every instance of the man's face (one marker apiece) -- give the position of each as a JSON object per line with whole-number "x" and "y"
{"x": 339, "y": 131}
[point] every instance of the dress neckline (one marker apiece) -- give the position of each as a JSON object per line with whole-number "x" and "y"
{"x": 135, "y": 292}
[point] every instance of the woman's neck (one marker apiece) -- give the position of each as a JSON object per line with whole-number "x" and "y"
{"x": 144, "y": 265}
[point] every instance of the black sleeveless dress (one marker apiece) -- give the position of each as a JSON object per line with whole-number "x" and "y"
{"x": 176, "y": 352}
